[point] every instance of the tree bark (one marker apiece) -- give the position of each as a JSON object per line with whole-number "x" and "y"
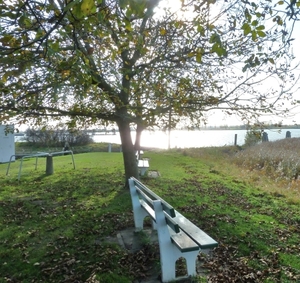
{"x": 129, "y": 159}
{"x": 137, "y": 144}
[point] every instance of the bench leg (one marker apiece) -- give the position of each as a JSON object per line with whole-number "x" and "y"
{"x": 169, "y": 256}
{"x": 139, "y": 213}
{"x": 143, "y": 170}
{"x": 169, "y": 253}
{"x": 191, "y": 258}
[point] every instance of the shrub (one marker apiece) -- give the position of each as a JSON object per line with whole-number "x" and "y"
{"x": 57, "y": 137}
{"x": 252, "y": 137}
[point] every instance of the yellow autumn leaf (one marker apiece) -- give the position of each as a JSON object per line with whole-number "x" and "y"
{"x": 4, "y": 78}
{"x": 198, "y": 83}
{"x": 199, "y": 57}
{"x": 163, "y": 31}
{"x": 65, "y": 73}
{"x": 128, "y": 26}
{"x": 87, "y": 6}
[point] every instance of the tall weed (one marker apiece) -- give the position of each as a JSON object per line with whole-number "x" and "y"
{"x": 279, "y": 159}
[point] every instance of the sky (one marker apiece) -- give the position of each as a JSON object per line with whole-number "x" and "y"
{"x": 217, "y": 118}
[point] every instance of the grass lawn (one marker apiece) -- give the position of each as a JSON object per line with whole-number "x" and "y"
{"x": 54, "y": 228}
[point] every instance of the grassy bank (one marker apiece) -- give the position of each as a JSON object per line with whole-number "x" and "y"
{"x": 59, "y": 228}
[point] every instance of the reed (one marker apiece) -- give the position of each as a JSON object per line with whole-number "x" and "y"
{"x": 279, "y": 160}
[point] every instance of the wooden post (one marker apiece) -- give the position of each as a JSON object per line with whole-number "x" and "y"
{"x": 265, "y": 137}
{"x": 49, "y": 165}
{"x": 109, "y": 147}
{"x": 235, "y": 139}
{"x": 169, "y": 129}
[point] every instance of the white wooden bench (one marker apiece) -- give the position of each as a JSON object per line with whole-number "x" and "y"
{"x": 142, "y": 163}
{"x": 177, "y": 236}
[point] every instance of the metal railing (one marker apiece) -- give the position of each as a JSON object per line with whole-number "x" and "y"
{"x": 37, "y": 155}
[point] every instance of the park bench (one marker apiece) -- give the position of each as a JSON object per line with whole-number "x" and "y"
{"x": 177, "y": 236}
{"x": 142, "y": 163}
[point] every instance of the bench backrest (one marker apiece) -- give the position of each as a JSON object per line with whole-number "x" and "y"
{"x": 152, "y": 196}
{"x": 187, "y": 235}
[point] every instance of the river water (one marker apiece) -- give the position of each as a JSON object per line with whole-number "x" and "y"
{"x": 200, "y": 138}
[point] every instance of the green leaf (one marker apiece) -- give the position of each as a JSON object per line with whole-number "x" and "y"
{"x": 129, "y": 12}
{"x": 71, "y": 5}
{"x": 128, "y": 26}
{"x": 220, "y": 50}
{"x": 4, "y": 77}
{"x": 279, "y": 20}
{"x": 211, "y": 27}
{"x": 261, "y": 27}
{"x": 199, "y": 57}
{"x": 245, "y": 68}
{"x": 6, "y": 39}
{"x": 280, "y": 2}
{"x": 247, "y": 29}
{"x": 123, "y": 3}
{"x": 254, "y": 35}
{"x": 298, "y": 4}
{"x": 201, "y": 29}
{"x": 139, "y": 9}
{"x": 87, "y": 6}
{"x": 24, "y": 22}
{"x": 40, "y": 33}
{"x": 254, "y": 23}
{"x": 247, "y": 15}
{"x": 261, "y": 33}
{"x": 77, "y": 11}
{"x": 54, "y": 46}
{"x": 215, "y": 38}
{"x": 271, "y": 60}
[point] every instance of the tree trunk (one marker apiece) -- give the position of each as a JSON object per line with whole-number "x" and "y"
{"x": 129, "y": 159}
{"x": 137, "y": 144}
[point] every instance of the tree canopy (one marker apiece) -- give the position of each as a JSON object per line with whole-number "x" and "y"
{"x": 139, "y": 62}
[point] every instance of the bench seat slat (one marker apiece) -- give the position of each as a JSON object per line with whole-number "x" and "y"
{"x": 183, "y": 242}
{"x": 200, "y": 237}
{"x": 143, "y": 163}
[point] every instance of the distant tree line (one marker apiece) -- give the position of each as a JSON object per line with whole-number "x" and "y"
{"x": 57, "y": 137}
{"x": 248, "y": 127}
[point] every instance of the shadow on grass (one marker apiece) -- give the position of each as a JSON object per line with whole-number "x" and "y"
{"x": 55, "y": 231}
